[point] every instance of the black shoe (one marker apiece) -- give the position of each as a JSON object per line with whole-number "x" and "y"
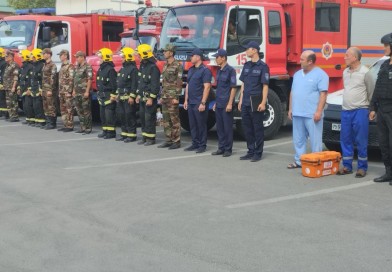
{"x": 190, "y": 148}
{"x": 102, "y": 134}
{"x": 121, "y": 138}
{"x": 246, "y": 157}
{"x": 175, "y": 146}
{"x": 227, "y": 154}
{"x": 218, "y": 152}
{"x": 255, "y": 158}
{"x": 109, "y": 136}
{"x": 86, "y": 132}
{"x": 49, "y": 127}
{"x": 165, "y": 144}
{"x": 67, "y": 129}
{"x": 149, "y": 142}
{"x": 201, "y": 150}
{"x": 383, "y": 178}
{"x": 13, "y": 120}
{"x": 79, "y": 131}
{"x": 42, "y": 125}
{"x": 130, "y": 139}
{"x": 61, "y": 129}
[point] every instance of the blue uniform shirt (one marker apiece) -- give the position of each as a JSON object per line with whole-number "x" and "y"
{"x": 254, "y": 75}
{"x": 226, "y": 79}
{"x": 197, "y": 76}
{"x": 306, "y": 90}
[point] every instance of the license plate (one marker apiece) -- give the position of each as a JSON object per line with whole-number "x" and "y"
{"x": 335, "y": 127}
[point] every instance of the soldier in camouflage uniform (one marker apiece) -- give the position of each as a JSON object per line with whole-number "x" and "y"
{"x": 171, "y": 90}
{"x": 127, "y": 79}
{"x": 24, "y": 88}
{"x": 81, "y": 92}
{"x": 48, "y": 89}
{"x": 10, "y": 82}
{"x": 66, "y": 77}
{"x": 36, "y": 87}
{"x": 3, "y": 104}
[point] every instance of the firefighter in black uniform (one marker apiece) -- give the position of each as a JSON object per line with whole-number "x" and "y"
{"x": 3, "y": 104}
{"x": 381, "y": 104}
{"x": 148, "y": 89}
{"x": 127, "y": 79}
{"x": 36, "y": 87}
{"x": 24, "y": 86}
{"x": 107, "y": 86}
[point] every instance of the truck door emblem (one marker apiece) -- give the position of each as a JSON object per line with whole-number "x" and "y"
{"x": 327, "y": 50}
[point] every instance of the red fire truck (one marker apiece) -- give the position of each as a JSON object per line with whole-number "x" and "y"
{"x": 283, "y": 28}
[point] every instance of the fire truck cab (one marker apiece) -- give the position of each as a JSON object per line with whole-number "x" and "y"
{"x": 284, "y": 29}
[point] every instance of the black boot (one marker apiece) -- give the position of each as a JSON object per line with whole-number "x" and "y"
{"x": 54, "y": 121}
{"x": 110, "y": 135}
{"x": 46, "y": 123}
{"x": 386, "y": 177}
{"x": 102, "y": 134}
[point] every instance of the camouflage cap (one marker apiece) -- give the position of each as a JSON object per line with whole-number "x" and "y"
{"x": 47, "y": 51}
{"x": 170, "y": 47}
{"x": 64, "y": 51}
{"x": 80, "y": 54}
{"x": 9, "y": 53}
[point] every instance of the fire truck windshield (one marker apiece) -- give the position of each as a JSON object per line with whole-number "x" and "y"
{"x": 15, "y": 33}
{"x": 130, "y": 42}
{"x": 193, "y": 26}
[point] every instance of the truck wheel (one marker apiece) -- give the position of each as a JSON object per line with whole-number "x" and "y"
{"x": 185, "y": 120}
{"x": 273, "y": 117}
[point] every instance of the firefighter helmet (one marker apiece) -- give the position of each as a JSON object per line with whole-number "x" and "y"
{"x": 127, "y": 53}
{"x": 2, "y": 52}
{"x": 37, "y": 53}
{"x": 25, "y": 55}
{"x": 105, "y": 54}
{"x": 145, "y": 51}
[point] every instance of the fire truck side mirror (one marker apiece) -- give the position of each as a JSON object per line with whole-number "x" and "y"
{"x": 46, "y": 34}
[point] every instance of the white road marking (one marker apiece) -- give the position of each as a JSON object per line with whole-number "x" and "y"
{"x": 136, "y": 162}
{"x": 15, "y": 125}
{"x": 54, "y": 141}
{"x": 278, "y": 144}
{"x": 300, "y": 196}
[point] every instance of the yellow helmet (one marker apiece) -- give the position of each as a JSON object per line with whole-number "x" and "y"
{"x": 25, "y": 55}
{"x": 145, "y": 51}
{"x": 37, "y": 53}
{"x": 105, "y": 54}
{"x": 2, "y": 52}
{"x": 127, "y": 53}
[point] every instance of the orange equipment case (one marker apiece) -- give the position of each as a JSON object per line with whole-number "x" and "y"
{"x": 315, "y": 165}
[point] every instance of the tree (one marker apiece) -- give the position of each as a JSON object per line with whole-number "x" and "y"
{"x": 27, "y": 4}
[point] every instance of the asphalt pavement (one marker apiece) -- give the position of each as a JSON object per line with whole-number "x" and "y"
{"x": 72, "y": 202}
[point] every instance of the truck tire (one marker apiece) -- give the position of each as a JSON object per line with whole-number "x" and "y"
{"x": 273, "y": 117}
{"x": 185, "y": 120}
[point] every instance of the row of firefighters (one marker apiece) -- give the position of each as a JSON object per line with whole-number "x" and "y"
{"x": 39, "y": 85}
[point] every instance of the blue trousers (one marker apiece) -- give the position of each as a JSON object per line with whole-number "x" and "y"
{"x": 224, "y": 128}
{"x": 198, "y": 126}
{"x": 304, "y": 128}
{"x": 354, "y": 131}
{"x": 252, "y": 124}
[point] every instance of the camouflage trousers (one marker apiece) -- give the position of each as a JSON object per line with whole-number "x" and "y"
{"x": 171, "y": 120}
{"x": 66, "y": 109}
{"x": 49, "y": 104}
{"x": 83, "y": 108}
{"x": 12, "y": 104}
{"x": 3, "y": 103}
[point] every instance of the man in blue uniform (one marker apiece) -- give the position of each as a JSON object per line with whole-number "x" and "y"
{"x": 225, "y": 92}
{"x": 196, "y": 94}
{"x": 255, "y": 76}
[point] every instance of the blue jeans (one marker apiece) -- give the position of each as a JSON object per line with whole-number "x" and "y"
{"x": 354, "y": 131}
{"x": 304, "y": 128}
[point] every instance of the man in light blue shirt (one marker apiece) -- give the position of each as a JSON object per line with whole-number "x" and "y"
{"x": 307, "y": 100}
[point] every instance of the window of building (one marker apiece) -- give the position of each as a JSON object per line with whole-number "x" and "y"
{"x": 327, "y": 17}
{"x": 111, "y": 31}
{"x": 274, "y": 28}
